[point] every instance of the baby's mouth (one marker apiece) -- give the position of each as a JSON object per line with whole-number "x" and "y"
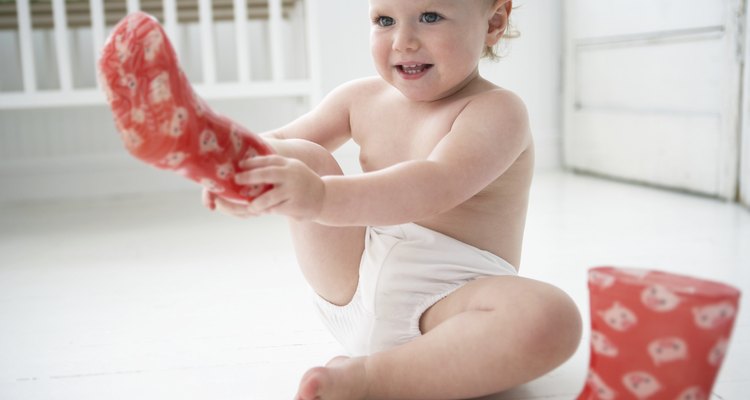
{"x": 413, "y": 69}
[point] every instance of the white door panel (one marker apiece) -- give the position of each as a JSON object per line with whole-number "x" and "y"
{"x": 652, "y": 92}
{"x": 596, "y": 18}
{"x": 670, "y": 161}
{"x": 620, "y": 76}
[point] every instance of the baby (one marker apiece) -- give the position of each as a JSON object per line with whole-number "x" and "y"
{"x": 415, "y": 261}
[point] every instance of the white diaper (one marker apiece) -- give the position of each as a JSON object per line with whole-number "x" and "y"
{"x": 405, "y": 269}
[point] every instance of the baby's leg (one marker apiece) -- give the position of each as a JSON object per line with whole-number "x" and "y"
{"x": 328, "y": 256}
{"x": 490, "y": 335}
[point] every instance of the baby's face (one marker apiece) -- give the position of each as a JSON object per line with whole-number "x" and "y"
{"x": 428, "y": 49}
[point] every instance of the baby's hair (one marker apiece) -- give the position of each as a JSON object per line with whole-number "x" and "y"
{"x": 494, "y": 53}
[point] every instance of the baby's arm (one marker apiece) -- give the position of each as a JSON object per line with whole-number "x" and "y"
{"x": 486, "y": 138}
{"x": 327, "y": 124}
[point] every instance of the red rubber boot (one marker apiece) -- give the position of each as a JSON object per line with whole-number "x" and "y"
{"x": 656, "y": 335}
{"x": 160, "y": 118}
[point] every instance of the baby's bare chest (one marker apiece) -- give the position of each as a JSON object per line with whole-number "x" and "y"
{"x": 389, "y": 135}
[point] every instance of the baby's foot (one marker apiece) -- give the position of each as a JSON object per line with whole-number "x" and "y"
{"x": 343, "y": 378}
{"x": 161, "y": 120}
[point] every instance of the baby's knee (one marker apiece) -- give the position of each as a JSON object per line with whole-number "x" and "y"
{"x": 555, "y": 327}
{"x": 315, "y": 156}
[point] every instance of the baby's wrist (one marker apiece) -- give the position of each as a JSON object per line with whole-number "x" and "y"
{"x": 321, "y": 205}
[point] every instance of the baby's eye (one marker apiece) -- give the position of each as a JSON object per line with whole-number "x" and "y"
{"x": 430, "y": 17}
{"x": 384, "y": 21}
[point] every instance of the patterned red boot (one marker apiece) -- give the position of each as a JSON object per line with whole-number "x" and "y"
{"x": 160, "y": 118}
{"x": 656, "y": 335}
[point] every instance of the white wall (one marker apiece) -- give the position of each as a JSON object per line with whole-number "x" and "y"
{"x": 30, "y": 140}
{"x": 745, "y": 137}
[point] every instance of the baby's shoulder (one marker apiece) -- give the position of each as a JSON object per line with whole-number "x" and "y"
{"x": 498, "y": 103}
{"x": 495, "y": 110}
{"x": 360, "y": 88}
{"x": 370, "y": 83}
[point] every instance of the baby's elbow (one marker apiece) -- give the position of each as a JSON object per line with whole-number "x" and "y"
{"x": 273, "y": 135}
{"x": 448, "y": 193}
{"x": 424, "y": 190}
{"x": 440, "y": 202}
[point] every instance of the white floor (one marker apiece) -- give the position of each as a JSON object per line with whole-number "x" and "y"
{"x": 157, "y": 298}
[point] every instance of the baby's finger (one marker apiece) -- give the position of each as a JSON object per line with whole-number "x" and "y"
{"x": 262, "y": 161}
{"x": 240, "y": 210}
{"x": 260, "y": 176}
{"x": 266, "y": 202}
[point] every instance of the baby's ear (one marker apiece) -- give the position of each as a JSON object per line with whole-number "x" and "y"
{"x": 498, "y": 22}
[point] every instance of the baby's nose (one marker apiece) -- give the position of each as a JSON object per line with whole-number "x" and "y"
{"x": 405, "y": 39}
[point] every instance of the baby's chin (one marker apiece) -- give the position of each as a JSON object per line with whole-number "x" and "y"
{"x": 429, "y": 92}
{"x": 422, "y": 95}
{"x": 420, "y": 98}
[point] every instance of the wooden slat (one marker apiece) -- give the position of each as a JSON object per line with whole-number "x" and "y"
{"x": 27, "y": 47}
{"x": 170, "y": 23}
{"x": 241, "y": 42}
{"x": 274, "y": 23}
{"x": 97, "y": 31}
{"x": 79, "y": 15}
{"x": 62, "y": 49}
{"x": 208, "y": 55}
{"x": 314, "y": 72}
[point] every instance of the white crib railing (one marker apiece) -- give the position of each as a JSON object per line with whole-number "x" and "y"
{"x": 100, "y": 22}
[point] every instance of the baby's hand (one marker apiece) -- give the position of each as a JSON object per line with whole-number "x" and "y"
{"x": 297, "y": 191}
{"x": 230, "y": 207}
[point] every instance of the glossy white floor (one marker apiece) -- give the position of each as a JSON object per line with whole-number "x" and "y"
{"x": 157, "y": 298}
